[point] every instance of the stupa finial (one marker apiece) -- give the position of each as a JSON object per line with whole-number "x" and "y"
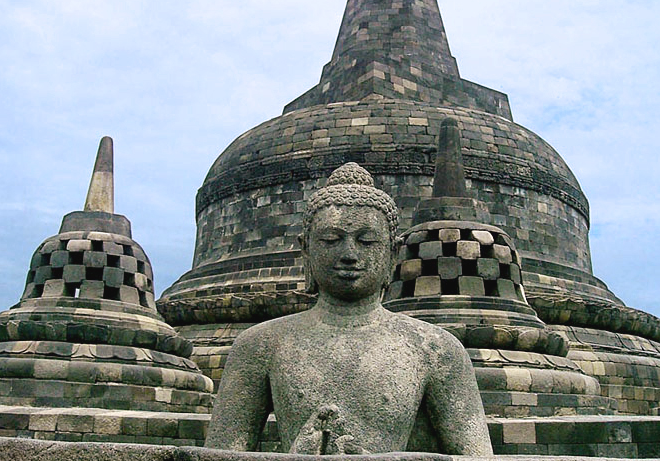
{"x": 449, "y": 178}
{"x": 101, "y": 194}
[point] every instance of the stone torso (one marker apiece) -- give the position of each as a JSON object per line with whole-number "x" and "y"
{"x": 372, "y": 373}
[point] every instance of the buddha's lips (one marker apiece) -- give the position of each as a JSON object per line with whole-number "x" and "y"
{"x": 348, "y": 272}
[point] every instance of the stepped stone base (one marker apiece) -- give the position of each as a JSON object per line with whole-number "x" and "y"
{"x": 607, "y": 437}
{"x": 100, "y": 425}
{"x": 626, "y": 366}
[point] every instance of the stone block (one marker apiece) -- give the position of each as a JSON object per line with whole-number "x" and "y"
{"x": 106, "y": 424}
{"x": 53, "y": 288}
{"x": 516, "y": 276}
{"x": 483, "y": 237}
{"x": 129, "y": 294}
{"x": 466, "y": 249}
{"x": 113, "y": 276}
{"x": 506, "y": 289}
{"x": 450, "y": 235}
{"x": 503, "y": 254}
{"x": 92, "y": 289}
{"x": 449, "y": 268}
{"x": 394, "y": 291}
{"x": 411, "y": 269}
{"x": 14, "y": 421}
{"x": 427, "y": 286}
{"x": 42, "y": 274}
{"x": 518, "y": 379}
{"x": 151, "y": 299}
{"x": 405, "y": 253}
{"x": 73, "y": 273}
{"x": 30, "y": 291}
{"x": 95, "y": 259}
{"x": 51, "y": 369}
{"x": 134, "y": 426}
{"x": 79, "y": 245}
{"x": 128, "y": 263}
{"x": 43, "y": 422}
{"x": 430, "y": 250}
{"x": 37, "y": 260}
{"x": 162, "y": 427}
{"x": 51, "y": 245}
{"x": 471, "y": 286}
{"x": 488, "y": 268}
{"x": 75, "y": 423}
{"x": 141, "y": 282}
{"x": 113, "y": 248}
{"x": 193, "y": 429}
{"x": 519, "y": 432}
{"x": 59, "y": 258}
{"x": 417, "y": 237}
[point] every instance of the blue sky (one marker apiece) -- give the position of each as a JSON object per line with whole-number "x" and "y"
{"x": 175, "y": 82}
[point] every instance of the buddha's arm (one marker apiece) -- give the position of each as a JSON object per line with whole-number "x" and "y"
{"x": 243, "y": 401}
{"x": 454, "y": 404}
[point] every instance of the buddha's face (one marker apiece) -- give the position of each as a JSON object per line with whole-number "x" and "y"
{"x": 349, "y": 251}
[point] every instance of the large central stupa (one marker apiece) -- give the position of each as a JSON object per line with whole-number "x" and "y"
{"x": 380, "y": 102}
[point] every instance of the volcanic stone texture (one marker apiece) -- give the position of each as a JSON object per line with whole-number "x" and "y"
{"x": 91, "y": 264}
{"x": 397, "y": 49}
{"x": 249, "y": 210}
{"x": 556, "y": 439}
{"x": 627, "y": 366}
{"x": 458, "y": 258}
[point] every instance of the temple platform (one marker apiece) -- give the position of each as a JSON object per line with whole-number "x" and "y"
{"x": 613, "y": 436}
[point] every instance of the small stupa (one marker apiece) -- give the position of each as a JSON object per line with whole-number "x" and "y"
{"x": 86, "y": 333}
{"x": 462, "y": 274}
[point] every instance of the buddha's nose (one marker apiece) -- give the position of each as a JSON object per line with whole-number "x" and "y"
{"x": 349, "y": 253}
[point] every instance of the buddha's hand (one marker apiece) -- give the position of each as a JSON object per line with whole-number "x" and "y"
{"x": 324, "y": 434}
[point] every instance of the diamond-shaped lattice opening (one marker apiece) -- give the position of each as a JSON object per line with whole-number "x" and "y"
{"x": 470, "y": 267}
{"x": 449, "y": 287}
{"x": 430, "y": 267}
{"x": 113, "y": 261}
{"x": 491, "y": 287}
{"x": 111, "y": 293}
{"x": 449, "y": 248}
{"x": 94, "y": 273}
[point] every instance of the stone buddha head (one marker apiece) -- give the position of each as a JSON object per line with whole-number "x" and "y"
{"x": 349, "y": 240}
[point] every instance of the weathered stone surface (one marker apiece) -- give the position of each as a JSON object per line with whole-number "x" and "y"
{"x": 483, "y": 237}
{"x": 466, "y": 249}
{"x": 449, "y": 268}
{"x": 430, "y": 250}
{"x": 411, "y": 269}
{"x": 471, "y": 286}
{"x": 427, "y": 286}
{"x": 488, "y": 268}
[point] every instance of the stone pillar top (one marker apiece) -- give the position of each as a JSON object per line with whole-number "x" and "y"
{"x": 101, "y": 194}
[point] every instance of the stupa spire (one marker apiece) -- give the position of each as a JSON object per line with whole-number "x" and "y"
{"x": 401, "y": 30}
{"x": 397, "y": 49}
{"x": 101, "y": 194}
{"x": 449, "y": 178}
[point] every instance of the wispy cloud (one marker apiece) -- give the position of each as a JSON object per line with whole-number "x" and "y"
{"x": 175, "y": 82}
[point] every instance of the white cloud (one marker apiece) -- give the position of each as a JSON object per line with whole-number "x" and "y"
{"x": 175, "y": 82}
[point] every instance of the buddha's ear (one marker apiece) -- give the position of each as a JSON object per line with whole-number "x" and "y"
{"x": 302, "y": 241}
{"x": 310, "y": 284}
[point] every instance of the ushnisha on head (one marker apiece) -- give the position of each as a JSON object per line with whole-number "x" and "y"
{"x": 349, "y": 186}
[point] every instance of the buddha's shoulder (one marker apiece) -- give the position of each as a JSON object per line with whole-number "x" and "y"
{"x": 267, "y": 332}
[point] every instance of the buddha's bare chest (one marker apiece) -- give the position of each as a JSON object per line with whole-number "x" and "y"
{"x": 365, "y": 375}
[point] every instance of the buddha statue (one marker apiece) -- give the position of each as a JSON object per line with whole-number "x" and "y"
{"x": 348, "y": 376}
